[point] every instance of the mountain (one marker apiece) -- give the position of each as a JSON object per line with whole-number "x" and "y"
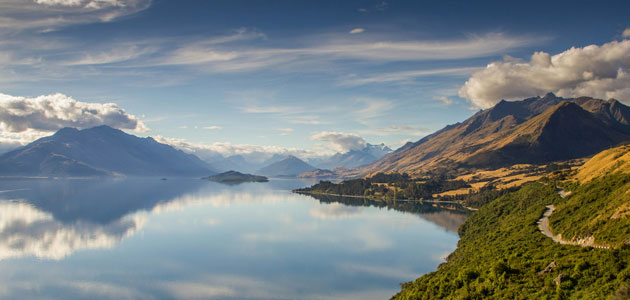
{"x": 243, "y": 163}
{"x": 534, "y": 130}
{"x": 99, "y": 151}
{"x": 355, "y": 158}
{"x": 592, "y": 222}
{"x": 290, "y": 166}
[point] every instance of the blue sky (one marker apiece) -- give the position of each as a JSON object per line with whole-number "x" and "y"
{"x": 277, "y": 73}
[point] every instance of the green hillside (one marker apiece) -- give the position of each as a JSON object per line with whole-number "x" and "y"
{"x": 501, "y": 254}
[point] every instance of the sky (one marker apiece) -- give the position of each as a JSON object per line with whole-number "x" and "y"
{"x": 301, "y": 77}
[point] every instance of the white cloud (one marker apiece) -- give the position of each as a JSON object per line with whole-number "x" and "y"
{"x": 396, "y": 129}
{"x": 597, "y": 71}
{"x": 214, "y": 127}
{"x": 55, "y": 111}
{"x": 285, "y": 131}
{"x": 367, "y": 109}
{"x": 340, "y": 141}
{"x": 444, "y": 100}
{"x": 47, "y": 15}
{"x": 60, "y": 2}
{"x": 626, "y": 33}
{"x": 404, "y": 76}
{"x": 252, "y": 153}
{"x": 306, "y": 120}
{"x": 218, "y": 58}
{"x": 113, "y": 55}
{"x": 356, "y": 30}
{"x": 23, "y": 120}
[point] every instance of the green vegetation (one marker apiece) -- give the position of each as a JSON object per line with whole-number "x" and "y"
{"x": 501, "y": 255}
{"x": 403, "y": 206}
{"x": 480, "y": 198}
{"x": 233, "y": 177}
{"x": 599, "y": 209}
{"x": 388, "y": 186}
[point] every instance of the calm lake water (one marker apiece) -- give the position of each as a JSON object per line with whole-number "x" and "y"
{"x": 192, "y": 239}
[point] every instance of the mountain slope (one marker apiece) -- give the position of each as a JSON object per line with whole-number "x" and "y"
{"x": 99, "y": 151}
{"x": 534, "y": 130}
{"x": 502, "y": 255}
{"x": 290, "y": 166}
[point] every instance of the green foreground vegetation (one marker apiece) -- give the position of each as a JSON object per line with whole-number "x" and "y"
{"x": 388, "y": 186}
{"x": 502, "y": 254}
{"x": 598, "y": 209}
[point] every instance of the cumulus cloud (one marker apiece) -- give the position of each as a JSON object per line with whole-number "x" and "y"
{"x": 597, "y": 71}
{"x": 24, "y": 119}
{"x": 55, "y": 111}
{"x": 340, "y": 141}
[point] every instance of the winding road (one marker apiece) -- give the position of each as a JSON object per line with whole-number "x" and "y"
{"x": 543, "y": 225}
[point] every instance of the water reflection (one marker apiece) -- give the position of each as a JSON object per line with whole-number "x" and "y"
{"x": 446, "y": 215}
{"x": 25, "y": 230}
{"x": 50, "y": 219}
{"x": 193, "y": 239}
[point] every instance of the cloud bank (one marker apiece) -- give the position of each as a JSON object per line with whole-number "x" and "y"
{"x": 597, "y": 71}
{"x": 340, "y": 141}
{"x": 251, "y": 153}
{"x": 55, "y": 111}
{"x": 24, "y": 119}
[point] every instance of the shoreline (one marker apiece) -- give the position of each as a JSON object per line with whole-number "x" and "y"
{"x": 388, "y": 200}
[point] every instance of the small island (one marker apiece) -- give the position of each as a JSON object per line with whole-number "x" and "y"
{"x": 234, "y": 177}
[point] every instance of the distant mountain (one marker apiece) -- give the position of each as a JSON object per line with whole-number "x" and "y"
{"x": 290, "y": 166}
{"x": 378, "y": 150}
{"x": 534, "y": 130}
{"x": 233, "y": 177}
{"x": 355, "y": 158}
{"x": 242, "y": 164}
{"x": 99, "y": 151}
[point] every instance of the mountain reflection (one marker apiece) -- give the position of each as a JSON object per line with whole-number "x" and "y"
{"x": 50, "y": 219}
{"x": 445, "y": 215}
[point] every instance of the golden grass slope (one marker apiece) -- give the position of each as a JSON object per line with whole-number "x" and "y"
{"x": 611, "y": 161}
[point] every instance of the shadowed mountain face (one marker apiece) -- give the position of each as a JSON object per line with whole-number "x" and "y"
{"x": 290, "y": 166}
{"x": 534, "y": 130}
{"x": 99, "y": 151}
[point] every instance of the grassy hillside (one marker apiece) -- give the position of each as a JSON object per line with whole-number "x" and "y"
{"x": 501, "y": 255}
{"x": 615, "y": 160}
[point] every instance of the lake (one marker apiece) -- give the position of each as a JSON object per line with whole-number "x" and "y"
{"x": 146, "y": 238}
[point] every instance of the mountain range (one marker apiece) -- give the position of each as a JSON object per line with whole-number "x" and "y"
{"x": 289, "y": 166}
{"x": 534, "y": 130}
{"x": 100, "y": 151}
{"x": 354, "y": 158}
